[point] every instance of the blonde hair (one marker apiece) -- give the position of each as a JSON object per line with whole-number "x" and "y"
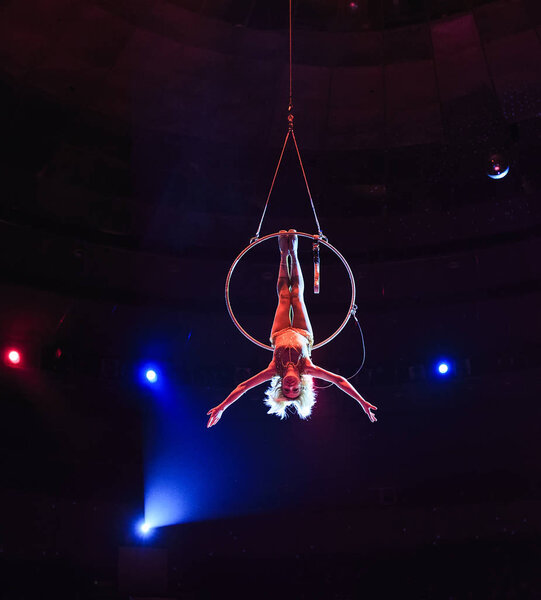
{"x": 278, "y": 403}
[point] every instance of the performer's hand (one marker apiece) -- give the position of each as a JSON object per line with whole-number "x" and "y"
{"x": 367, "y": 407}
{"x": 215, "y": 415}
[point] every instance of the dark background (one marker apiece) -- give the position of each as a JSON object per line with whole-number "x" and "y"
{"x": 138, "y": 144}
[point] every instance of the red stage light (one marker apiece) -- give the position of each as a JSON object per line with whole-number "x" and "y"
{"x": 14, "y": 357}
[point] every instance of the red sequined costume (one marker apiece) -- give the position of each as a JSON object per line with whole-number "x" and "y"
{"x": 291, "y": 346}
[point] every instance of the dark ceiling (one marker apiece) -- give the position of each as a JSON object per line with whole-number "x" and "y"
{"x": 330, "y": 15}
{"x": 151, "y": 129}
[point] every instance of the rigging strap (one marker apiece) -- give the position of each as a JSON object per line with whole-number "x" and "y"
{"x": 354, "y": 315}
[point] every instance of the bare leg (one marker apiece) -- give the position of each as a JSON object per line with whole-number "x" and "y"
{"x": 301, "y": 320}
{"x": 282, "y": 316}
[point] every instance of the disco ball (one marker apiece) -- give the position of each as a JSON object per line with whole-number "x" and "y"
{"x": 497, "y": 166}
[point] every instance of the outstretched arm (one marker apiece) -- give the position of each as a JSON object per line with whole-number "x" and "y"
{"x": 344, "y": 385}
{"x": 265, "y": 375}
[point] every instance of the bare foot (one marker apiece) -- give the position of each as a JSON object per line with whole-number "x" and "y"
{"x": 283, "y": 241}
{"x": 293, "y": 241}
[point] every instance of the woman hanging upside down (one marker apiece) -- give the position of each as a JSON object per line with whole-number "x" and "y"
{"x": 291, "y": 370}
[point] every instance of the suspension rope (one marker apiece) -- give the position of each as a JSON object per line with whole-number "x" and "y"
{"x": 290, "y": 107}
{"x": 289, "y": 133}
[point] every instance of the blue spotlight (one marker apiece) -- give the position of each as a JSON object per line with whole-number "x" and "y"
{"x": 443, "y": 368}
{"x": 165, "y": 498}
{"x": 144, "y": 529}
{"x": 151, "y": 376}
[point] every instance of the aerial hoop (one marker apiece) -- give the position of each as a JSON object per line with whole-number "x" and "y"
{"x": 316, "y": 239}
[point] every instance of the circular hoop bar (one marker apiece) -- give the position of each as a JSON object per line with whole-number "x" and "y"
{"x": 314, "y": 238}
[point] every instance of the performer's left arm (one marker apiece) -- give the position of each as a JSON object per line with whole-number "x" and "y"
{"x": 344, "y": 385}
{"x": 216, "y": 412}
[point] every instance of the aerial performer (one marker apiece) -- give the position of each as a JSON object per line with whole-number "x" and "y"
{"x": 291, "y": 370}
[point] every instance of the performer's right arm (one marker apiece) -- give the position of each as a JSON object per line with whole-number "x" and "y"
{"x": 265, "y": 375}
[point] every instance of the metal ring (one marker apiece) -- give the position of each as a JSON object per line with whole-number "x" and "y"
{"x": 258, "y": 241}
